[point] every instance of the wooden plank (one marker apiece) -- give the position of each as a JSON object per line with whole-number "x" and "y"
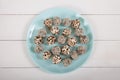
{"x": 14, "y": 27}
{"x": 82, "y": 73}
{"x": 105, "y": 54}
{"x": 36, "y": 6}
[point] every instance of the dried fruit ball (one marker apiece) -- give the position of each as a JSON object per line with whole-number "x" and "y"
{"x": 38, "y": 40}
{"x": 61, "y": 39}
{"x": 54, "y": 30}
{"x": 56, "y": 59}
{"x": 78, "y": 31}
{"x": 66, "y": 50}
{"x": 38, "y": 49}
{"x": 81, "y": 50}
{"x": 46, "y": 55}
{"x": 74, "y": 55}
{"x": 66, "y": 22}
{"x": 72, "y": 41}
{"x": 42, "y": 33}
{"x": 56, "y": 50}
{"x": 56, "y": 21}
{"x": 48, "y": 22}
{"x": 84, "y": 39}
{"x": 67, "y": 62}
{"x": 66, "y": 32}
{"x": 75, "y": 23}
{"x": 51, "y": 40}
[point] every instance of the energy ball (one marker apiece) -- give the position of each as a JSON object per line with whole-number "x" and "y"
{"x": 61, "y": 39}
{"x": 56, "y": 50}
{"x": 42, "y": 33}
{"x": 75, "y": 23}
{"x": 72, "y": 41}
{"x": 48, "y": 22}
{"x": 56, "y": 59}
{"x": 67, "y": 62}
{"x": 66, "y": 32}
{"x": 46, "y": 55}
{"x": 38, "y": 40}
{"x": 66, "y": 50}
{"x": 78, "y": 31}
{"x": 54, "y": 30}
{"x": 66, "y": 22}
{"x": 81, "y": 50}
{"x": 51, "y": 40}
{"x": 84, "y": 39}
{"x": 56, "y": 21}
{"x": 74, "y": 55}
{"x": 38, "y": 49}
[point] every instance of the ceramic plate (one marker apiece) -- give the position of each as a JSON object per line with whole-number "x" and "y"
{"x": 37, "y": 24}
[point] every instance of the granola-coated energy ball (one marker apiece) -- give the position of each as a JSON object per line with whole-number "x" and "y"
{"x": 42, "y": 33}
{"x": 38, "y": 40}
{"x": 66, "y": 22}
{"x": 78, "y": 31}
{"x": 56, "y": 59}
{"x": 51, "y": 40}
{"x": 54, "y": 30}
{"x": 38, "y": 49}
{"x": 66, "y": 32}
{"x": 48, "y": 22}
{"x": 72, "y": 41}
{"x": 81, "y": 50}
{"x": 46, "y": 55}
{"x": 74, "y": 55}
{"x": 56, "y": 50}
{"x": 66, "y": 50}
{"x": 75, "y": 23}
{"x": 61, "y": 39}
{"x": 56, "y": 21}
{"x": 84, "y": 39}
{"x": 67, "y": 62}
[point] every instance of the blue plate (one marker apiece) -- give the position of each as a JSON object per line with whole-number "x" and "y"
{"x": 37, "y": 24}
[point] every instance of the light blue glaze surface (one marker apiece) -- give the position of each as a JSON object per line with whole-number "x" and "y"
{"x": 37, "y": 24}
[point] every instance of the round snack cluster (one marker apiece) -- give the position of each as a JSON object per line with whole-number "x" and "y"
{"x": 64, "y": 42}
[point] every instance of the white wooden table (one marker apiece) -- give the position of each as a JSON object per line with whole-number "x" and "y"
{"x": 104, "y": 17}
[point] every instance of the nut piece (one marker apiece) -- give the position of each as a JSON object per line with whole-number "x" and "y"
{"x": 56, "y": 50}
{"x": 75, "y": 23}
{"x": 51, "y": 40}
{"x": 74, "y": 55}
{"x": 67, "y": 62}
{"x": 81, "y": 50}
{"x": 66, "y": 50}
{"x": 46, "y": 55}
{"x": 66, "y": 32}
{"x": 61, "y": 39}
{"x": 56, "y": 21}
{"x": 54, "y": 30}
{"x": 79, "y": 32}
{"x": 72, "y": 41}
{"x": 66, "y": 22}
{"x": 48, "y": 22}
{"x": 38, "y": 40}
{"x": 38, "y": 49}
{"x": 84, "y": 39}
{"x": 56, "y": 59}
{"x": 42, "y": 33}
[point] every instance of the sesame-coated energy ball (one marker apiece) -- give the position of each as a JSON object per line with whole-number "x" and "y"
{"x": 38, "y": 49}
{"x": 66, "y": 50}
{"x": 81, "y": 50}
{"x": 67, "y": 62}
{"x": 74, "y": 55}
{"x": 38, "y": 40}
{"x": 42, "y": 33}
{"x": 66, "y": 22}
{"x": 61, "y": 39}
{"x": 56, "y": 59}
{"x": 48, "y": 22}
{"x": 56, "y": 21}
{"x": 66, "y": 32}
{"x": 56, "y": 50}
{"x": 54, "y": 30}
{"x": 72, "y": 41}
{"x": 75, "y": 23}
{"x": 84, "y": 39}
{"x": 78, "y": 31}
{"x": 46, "y": 55}
{"x": 51, "y": 40}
